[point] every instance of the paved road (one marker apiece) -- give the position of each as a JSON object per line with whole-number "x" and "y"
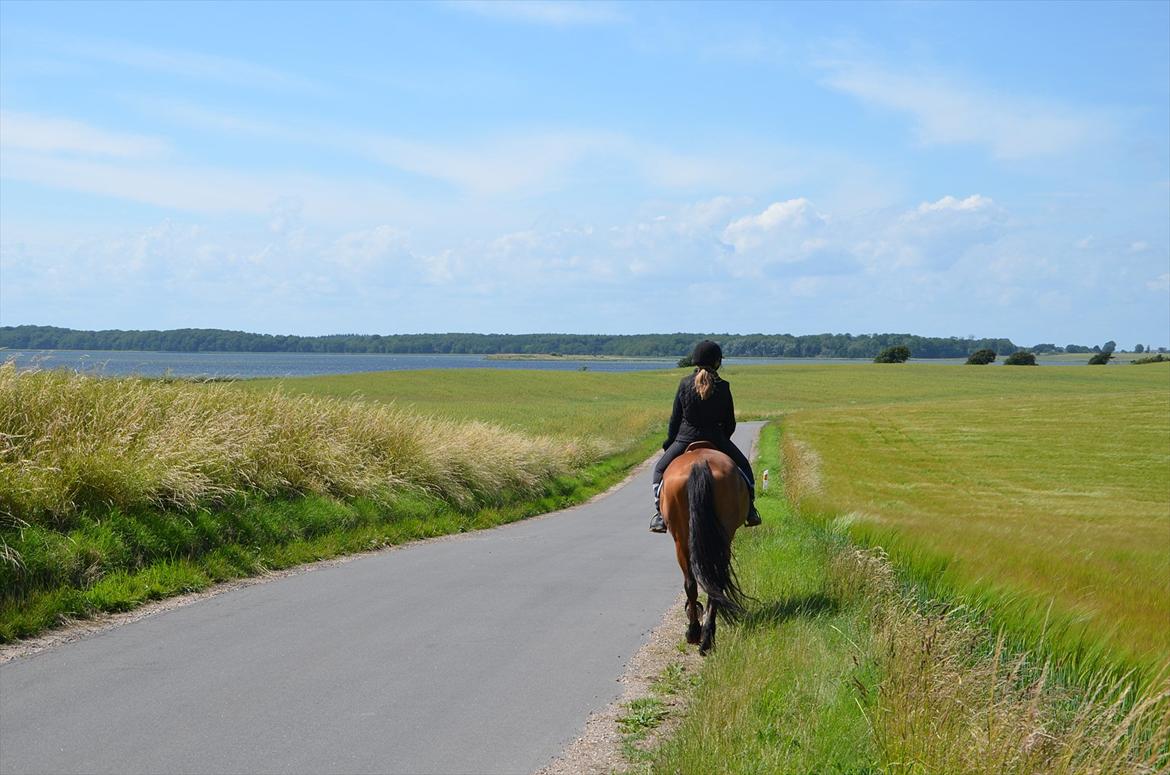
{"x": 480, "y": 654}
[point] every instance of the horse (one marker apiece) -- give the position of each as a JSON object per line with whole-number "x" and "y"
{"x": 704, "y": 499}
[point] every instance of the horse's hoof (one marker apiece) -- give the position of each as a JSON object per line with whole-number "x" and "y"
{"x": 693, "y": 638}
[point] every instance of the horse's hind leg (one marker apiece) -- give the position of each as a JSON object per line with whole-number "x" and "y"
{"x": 708, "y": 640}
{"x": 694, "y": 609}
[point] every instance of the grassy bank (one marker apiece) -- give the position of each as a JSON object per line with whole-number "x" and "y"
{"x": 116, "y": 491}
{"x": 838, "y": 668}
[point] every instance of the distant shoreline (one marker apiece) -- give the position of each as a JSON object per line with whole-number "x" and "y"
{"x": 559, "y": 357}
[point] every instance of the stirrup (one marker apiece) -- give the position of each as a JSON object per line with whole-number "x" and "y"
{"x": 656, "y": 524}
{"x": 753, "y": 517}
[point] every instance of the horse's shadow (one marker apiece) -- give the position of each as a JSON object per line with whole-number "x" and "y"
{"x": 772, "y": 612}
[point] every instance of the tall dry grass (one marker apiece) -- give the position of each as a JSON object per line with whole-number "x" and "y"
{"x": 70, "y": 442}
{"x": 946, "y": 703}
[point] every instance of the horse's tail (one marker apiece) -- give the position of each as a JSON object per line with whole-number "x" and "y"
{"x": 710, "y": 547}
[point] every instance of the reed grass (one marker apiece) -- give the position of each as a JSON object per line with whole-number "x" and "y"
{"x": 70, "y": 442}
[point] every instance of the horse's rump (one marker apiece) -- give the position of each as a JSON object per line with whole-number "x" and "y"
{"x": 704, "y": 499}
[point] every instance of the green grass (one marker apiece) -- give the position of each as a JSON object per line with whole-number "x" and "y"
{"x": 778, "y": 696}
{"x": 1050, "y": 512}
{"x": 620, "y": 406}
{"x": 613, "y": 409}
{"x": 839, "y": 668}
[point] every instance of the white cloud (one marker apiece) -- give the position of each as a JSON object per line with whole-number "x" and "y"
{"x": 948, "y": 112}
{"x": 973, "y": 203}
{"x": 491, "y": 166}
{"x": 28, "y": 132}
{"x": 1140, "y": 246}
{"x": 932, "y": 236}
{"x": 785, "y": 230}
{"x": 187, "y": 64}
{"x": 1160, "y": 283}
{"x": 378, "y": 248}
{"x": 552, "y": 13}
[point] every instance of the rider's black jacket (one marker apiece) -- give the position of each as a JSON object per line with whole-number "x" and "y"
{"x": 694, "y": 419}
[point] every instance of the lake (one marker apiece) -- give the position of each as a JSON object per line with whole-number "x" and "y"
{"x": 243, "y": 365}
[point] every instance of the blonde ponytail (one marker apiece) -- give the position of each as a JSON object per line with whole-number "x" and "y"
{"x": 704, "y": 383}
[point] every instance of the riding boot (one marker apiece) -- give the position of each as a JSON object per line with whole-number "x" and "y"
{"x": 753, "y": 516}
{"x": 656, "y": 523}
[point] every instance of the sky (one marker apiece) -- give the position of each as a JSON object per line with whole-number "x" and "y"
{"x": 943, "y": 169}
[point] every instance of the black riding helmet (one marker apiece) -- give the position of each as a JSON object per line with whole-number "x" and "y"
{"x": 707, "y": 355}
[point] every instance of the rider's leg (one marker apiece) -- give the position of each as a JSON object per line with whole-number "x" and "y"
{"x": 728, "y": 447}
{"x": 673, "y": 451}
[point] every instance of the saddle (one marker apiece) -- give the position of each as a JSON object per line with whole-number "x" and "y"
{"x": 700, "y": 445}
{"x": 694, "y": 445}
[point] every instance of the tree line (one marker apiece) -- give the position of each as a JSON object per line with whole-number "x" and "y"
{"x": 634, "y": 345}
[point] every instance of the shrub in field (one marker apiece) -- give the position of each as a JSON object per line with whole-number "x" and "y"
{"x": 1101, "y": 358}
{"x": 70, "y": 442}
{"x": 893, "y": 355}
{"x": 1020, "y": 359}
{"x": 1159, "y": 358}
{"x": 981, "y": 358}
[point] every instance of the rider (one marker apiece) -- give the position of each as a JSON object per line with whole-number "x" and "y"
{"x": 703, "y": 411}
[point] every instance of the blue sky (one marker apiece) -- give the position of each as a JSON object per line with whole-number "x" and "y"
{"x": 944, "y": 169}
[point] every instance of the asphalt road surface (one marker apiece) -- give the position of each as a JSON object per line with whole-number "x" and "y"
{"x": 480, "y": 654}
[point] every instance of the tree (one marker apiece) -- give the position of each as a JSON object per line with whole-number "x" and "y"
{"x": 897, "y": 354}
{"x": 1020, "y": 359}
{"x": 1109, "y": 346}
{"x": 981, "y": 358}
{"x": 1137, "y": 348}
{"x": 1101, "y": 358}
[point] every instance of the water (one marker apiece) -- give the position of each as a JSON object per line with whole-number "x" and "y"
{"x": 243, "y": 365}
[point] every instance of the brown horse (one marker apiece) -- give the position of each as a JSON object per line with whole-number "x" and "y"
{"x": 704, "y": 499}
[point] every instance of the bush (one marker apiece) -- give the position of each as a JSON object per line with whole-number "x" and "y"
{"x": 1101, "y": 358}
{"x": 981, "y": 358}
{"x": 1159, "y": 358}
{"x": 1020, "y": 359}
{"x": 685, "y": 362}
{"x": 893, "y": 355}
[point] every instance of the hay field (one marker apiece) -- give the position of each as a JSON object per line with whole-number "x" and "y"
{"x": 1049, "y": 508}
